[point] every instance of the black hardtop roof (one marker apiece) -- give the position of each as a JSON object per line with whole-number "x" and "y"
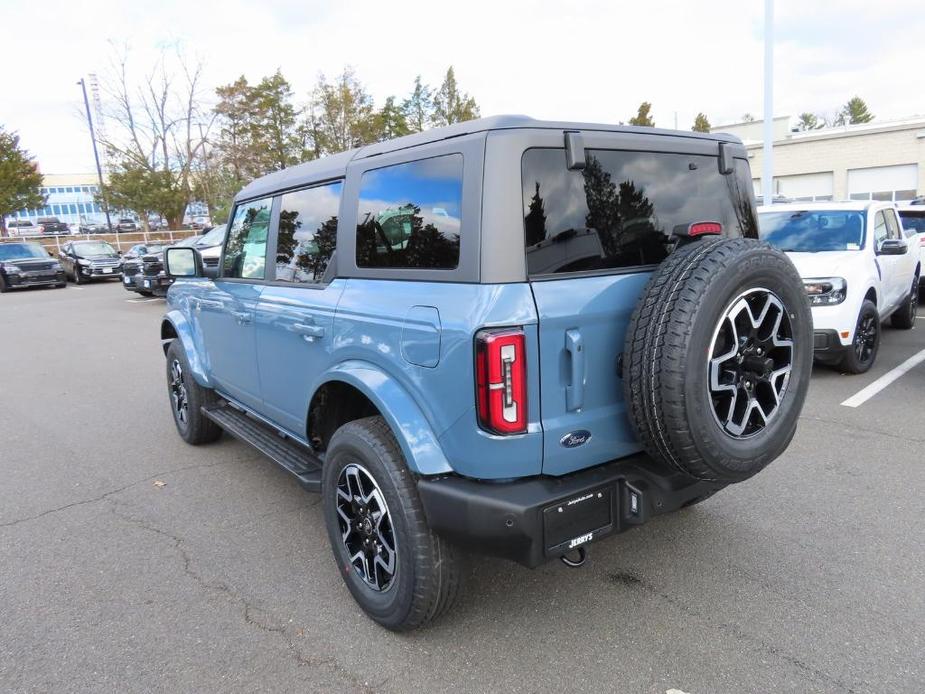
{"x": 335, "y": 165}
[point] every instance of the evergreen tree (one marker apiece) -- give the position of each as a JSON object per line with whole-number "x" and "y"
{"x": 854, "y": 112}
{"x": 701, "y": 124}
{"x": 20, "y": 180}
{"x": 748, "y": 118}
{"x": 809, "y": 121}
{"x": 342, "y": 115}
{"x": 419, "y": 107}
{"x": 275, "y": 134}
{"x": 390, "y": 121}
{"x": 642, "y": 116}
{"x": 451, "y": 106}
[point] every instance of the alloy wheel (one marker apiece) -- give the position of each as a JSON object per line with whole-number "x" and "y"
{"x": 865, "y": 337}
{"x": 750, "y": 361}
{"x": 366, "y": 527}
{"x": 178, "y": 393}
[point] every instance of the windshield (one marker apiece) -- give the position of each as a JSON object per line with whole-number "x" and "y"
{"x": 809, "y": 231}
{"x": 913, "y": 220}
{"x": 94, "y": 248}
{"x": 213, "y": 238}
{"x": 21, "y": 251}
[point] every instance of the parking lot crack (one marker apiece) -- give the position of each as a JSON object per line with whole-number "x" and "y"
{"x": 106, "y": 495}
{"x": 631, "y": 581}
{"x": 252, "y": 615}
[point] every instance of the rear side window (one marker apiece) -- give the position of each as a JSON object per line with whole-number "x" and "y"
{"x": 246, "y": 245}
{"x": 913, "y": 222}
{"x": 307, "y": 233}
{"x": 409, "y": 215}
{"x": 620, "y": 210}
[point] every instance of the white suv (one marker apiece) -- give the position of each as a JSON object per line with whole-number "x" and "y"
{"x": 858, "y": 268}
{"x": 912, "y": 215}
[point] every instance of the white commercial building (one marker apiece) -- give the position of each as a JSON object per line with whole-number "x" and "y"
{"x": 882, "y": 160}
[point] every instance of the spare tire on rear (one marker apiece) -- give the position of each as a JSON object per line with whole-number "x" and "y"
{"x": 718, "y": 357}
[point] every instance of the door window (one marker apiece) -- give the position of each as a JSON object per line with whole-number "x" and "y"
{"x": 409, "y": 215}
{"x": 246, "y": 245}
{"x": 892, "y": 225}
{"x": 307, "y": 233}
{"x": 881, "y": 231}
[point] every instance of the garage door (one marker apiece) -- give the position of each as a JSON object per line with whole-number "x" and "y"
{"x": 883, "y": 182}
{"x": 814, "y": 186}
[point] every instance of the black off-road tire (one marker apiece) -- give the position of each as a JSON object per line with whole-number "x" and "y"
{"x": 855, "y": 360}
{"x": 427, "y": 575}
{"x": 667, "y": 357}
{"x": 197, "y": 429}
{"x": 904, "y": 318}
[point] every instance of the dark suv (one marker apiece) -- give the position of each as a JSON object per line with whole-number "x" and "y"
{"x": 507, "y": 336}
{"x": 53, "y": 226}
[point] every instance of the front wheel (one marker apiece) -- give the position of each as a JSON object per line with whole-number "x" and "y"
{"x": 78, "y": 279}
{"x": 401, "y": 573}
{"x": 862, "y": 353}
{"x": 187, "y": 399}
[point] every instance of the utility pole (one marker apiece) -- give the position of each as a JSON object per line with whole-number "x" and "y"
{"x": 767, "y": 174}
{"x": 96, "y": 156}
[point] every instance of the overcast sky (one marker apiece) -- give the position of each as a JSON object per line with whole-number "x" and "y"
{"x": 593, "y": 61}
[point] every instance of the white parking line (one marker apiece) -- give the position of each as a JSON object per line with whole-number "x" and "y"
{"x": 886, "y": 379}
{"x": 142, "y": 301}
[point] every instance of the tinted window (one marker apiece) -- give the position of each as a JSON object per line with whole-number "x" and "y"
{"x": 307, "y": 233}
{"x": 913, "y": 222}
{"x": 893, "y": 225}
{"x": 622, "y": 208}
{"x": 409, "y": 215}
{"x": 246, "y": 246}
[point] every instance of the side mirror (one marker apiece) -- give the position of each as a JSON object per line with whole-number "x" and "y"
{"x": 893, "y": 247}
{"x": 182, "y": 262}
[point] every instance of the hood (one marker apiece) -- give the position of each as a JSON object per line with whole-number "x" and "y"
{"x": 827, "y": 263}
{"x": 98, "y": 256}
{"x": 26, "y": 263}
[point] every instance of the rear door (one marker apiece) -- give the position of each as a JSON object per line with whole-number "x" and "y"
{"x": 890, "y": 267}
{"x": 295, "y": 313}
{"x": 592, "y": 237}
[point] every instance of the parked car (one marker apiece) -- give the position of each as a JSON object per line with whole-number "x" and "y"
{"x": 125, "y": 225}
{"x": 89, "y": 227}
{"x": 209, "y": 246}
{"x": 858, "y": 269}
{"x": 28, "y": 265}
{"x": 912, "y": 217}
{"x": 22, "y": 227}
{"x": 142, "y": 262}
{"x": 53, "y": 225}
{"x": 443, "y": 392}
{"x": 90, "y": 260}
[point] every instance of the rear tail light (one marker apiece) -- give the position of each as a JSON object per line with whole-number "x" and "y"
{"x": 501, "y": 380}
{"x": 701, "y": 228}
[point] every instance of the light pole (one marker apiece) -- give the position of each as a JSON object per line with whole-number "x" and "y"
{"x": 767, "y": 174}
{"x": 96, "y": 156}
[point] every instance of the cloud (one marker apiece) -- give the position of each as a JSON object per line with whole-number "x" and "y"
{"x": 591, "y": 60}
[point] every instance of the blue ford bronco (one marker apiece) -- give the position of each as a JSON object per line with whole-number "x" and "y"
{"x": 505, "y": 337}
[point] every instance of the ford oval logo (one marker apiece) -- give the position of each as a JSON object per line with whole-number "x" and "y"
{"x": 574, "y": 439}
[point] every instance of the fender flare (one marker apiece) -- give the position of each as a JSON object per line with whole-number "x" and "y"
{"x": 184, "y": 333}
{"x": 414, "y": 434}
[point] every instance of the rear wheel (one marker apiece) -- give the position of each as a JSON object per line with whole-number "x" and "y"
{"x": 719, "y": 352}
{"x": 905, "y": 315}
{"x": 401, "y": 573}
{"x": 862, "y": 353}
{"x": 4, "y": 287}
{"x": 187, "y": 398}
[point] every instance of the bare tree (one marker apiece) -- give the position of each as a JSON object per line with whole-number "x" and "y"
{"x": 156, "y": 136}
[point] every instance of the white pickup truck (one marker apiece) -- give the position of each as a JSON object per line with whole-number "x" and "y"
{"x": 912, "y": 215}
{"x": 859, "y": 268}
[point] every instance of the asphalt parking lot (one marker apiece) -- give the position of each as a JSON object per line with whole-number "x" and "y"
{"x": 132, "y": 562}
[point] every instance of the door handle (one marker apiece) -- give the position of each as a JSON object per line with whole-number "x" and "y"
{"x": 200, "y": 304}
{"x": 575, "y": 391}
{"x": 242, "y": 317}
{"x": 309, "y": 332}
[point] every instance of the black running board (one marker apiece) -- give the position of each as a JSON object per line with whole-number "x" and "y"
{"x": 283, "y": 451}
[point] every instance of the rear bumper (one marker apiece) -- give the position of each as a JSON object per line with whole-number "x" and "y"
{"x": 533, "y": 520}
